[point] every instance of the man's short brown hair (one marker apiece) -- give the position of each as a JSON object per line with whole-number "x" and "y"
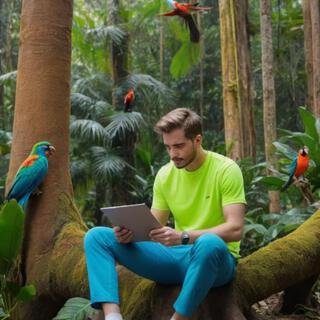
{"x": 180, "y": 118}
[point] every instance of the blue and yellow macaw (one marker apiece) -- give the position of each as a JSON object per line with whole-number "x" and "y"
{"x": 298, "y": 166}
{"x": 31, "y": 173}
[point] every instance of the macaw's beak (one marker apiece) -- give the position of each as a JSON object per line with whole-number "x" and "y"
{"x": 52, "y": 150}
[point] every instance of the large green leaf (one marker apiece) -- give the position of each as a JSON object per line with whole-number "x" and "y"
{"x": 11, "y": 230}
{"x": 285, "y": 150}
{"x": 271, "y": 181}
{"x": 75, "y": 309}
{"x": 309, "y": 122}
{"x": 184, "y": 59}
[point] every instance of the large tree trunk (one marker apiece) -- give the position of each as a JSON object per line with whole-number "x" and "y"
{"x": 42, "y": 113}
{"x": 237, "y": 93}
{"x": 269, "y": 100}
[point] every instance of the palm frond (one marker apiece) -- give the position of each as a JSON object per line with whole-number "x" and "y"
{"x": 123, "y": 124}
{"x": 80, "y": 173}
{"x": 106, "y": 163}
{"x": 88, "y": 107}
{"x": 151, "y": 90}
{"x": 8, "y": 76}
{"x": 107, "y": 32}
{"x": 88, "y": 130}
{"x": 95, "y": 85}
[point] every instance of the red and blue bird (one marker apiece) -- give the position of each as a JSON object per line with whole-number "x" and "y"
{"x": 298, "y": 167}
{"x": 31, "y": 173}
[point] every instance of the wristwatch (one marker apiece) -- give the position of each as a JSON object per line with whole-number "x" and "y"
{"x": 185, "y": 237}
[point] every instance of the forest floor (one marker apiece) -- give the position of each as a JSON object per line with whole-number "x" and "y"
{"x": 269, "y": 309}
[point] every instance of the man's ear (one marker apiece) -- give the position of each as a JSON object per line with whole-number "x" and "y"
{"x": 198, "y": 138}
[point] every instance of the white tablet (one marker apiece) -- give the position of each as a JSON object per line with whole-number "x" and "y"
{"x": 135, "y": 217}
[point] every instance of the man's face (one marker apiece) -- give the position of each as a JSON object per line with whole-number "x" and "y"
{"x": 182, "y": 151}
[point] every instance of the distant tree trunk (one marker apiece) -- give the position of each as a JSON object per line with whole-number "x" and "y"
{"x": 307, "y": 28}
{"x": 315, "y": 25}
{"x": 161, "y": 44}
{"x": 245, "y": 82}
{"x": 119, "y": 57}
{"x": 201, "y": 67}
{"x": 2, "y": 41}
{"x": 119, "y": 53}
{"x": 269, "y": 102}
{"x": 237, "y": 93}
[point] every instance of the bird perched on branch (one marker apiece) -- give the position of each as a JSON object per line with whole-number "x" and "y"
{"x": 184, "y": 10}
{"x": 128, "y": 101}
{"x": 31, "y": 173}
{"x": 298, "y": 166}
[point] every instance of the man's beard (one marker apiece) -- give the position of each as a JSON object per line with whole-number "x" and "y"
{"x": 183, "y": 165}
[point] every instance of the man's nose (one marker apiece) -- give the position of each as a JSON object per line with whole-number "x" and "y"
{"x": 173, "y": 154}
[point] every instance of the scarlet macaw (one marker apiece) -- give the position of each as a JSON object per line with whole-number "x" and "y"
{"x": 183, "y": 10}
{"x": 31, "y": 173}
{"x": 298, "y": 166}
{"x": 128, "y": 100}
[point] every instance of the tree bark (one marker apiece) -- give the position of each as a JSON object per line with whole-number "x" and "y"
{"x": 307, "y": 28}
{"x": 315, "y": 29}
{"x": 119, "y": 53}
{"x": 269, "y": 100}
{"x": 42, "y": 113}
{"x": 245, "y": 82}
{"x": 237, "y": 93}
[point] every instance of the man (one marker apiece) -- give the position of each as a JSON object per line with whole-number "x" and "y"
{"x": 204, "y": 192}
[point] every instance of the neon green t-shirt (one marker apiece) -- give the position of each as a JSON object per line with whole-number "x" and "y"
{"x": 196, "y": 198}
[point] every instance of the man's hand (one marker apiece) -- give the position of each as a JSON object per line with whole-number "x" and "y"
{"x": 123, "y": 235}
{"x": 166, "y": 236}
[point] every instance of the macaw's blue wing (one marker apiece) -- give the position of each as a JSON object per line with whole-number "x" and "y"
{"x": 292, "y": 170}
{"x": 27, "y": 180}
{"x": 293, "y": 166}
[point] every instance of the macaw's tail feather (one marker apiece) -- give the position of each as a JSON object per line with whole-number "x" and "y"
{"x": 287, "y": 184}
{"x": 24, "y": 201}
{"x": 194, "y": 32}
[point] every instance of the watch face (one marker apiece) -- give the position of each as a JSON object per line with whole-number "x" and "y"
{"x": 185, "y": 238}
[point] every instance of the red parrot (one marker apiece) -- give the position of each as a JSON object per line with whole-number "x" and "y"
{"x": 298, "y": 166}
{"x": 184, "y": 10}
{"x": 128, "y": 100}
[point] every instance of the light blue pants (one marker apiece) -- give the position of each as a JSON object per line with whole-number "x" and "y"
{"x": 205, "y": 264}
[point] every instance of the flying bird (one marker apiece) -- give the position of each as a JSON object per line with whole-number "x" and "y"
{"x": 298, "y": 166}
{"x": 184, "y": 10}
{"x": 31, "y": 173}
{"x": 128, "y": 101}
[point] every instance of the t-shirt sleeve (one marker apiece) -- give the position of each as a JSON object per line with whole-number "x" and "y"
{"x": 158, "y": 201}
{"x": 232, "y": 188}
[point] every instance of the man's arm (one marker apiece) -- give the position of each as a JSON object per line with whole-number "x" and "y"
{"x": 230, "y": 230}
{"x": 161, "y": 215}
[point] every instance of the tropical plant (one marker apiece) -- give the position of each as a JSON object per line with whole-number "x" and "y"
{"x": 11, "y": 234}
{"x": 76, "y": 309}
{"x": 287, "y": 148}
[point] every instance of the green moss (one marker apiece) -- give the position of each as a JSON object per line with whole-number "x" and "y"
{"x": 137, "y": 296}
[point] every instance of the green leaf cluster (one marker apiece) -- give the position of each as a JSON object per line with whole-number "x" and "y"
{"x": 75, "y": 309}
{"x": 11, "y": 235}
